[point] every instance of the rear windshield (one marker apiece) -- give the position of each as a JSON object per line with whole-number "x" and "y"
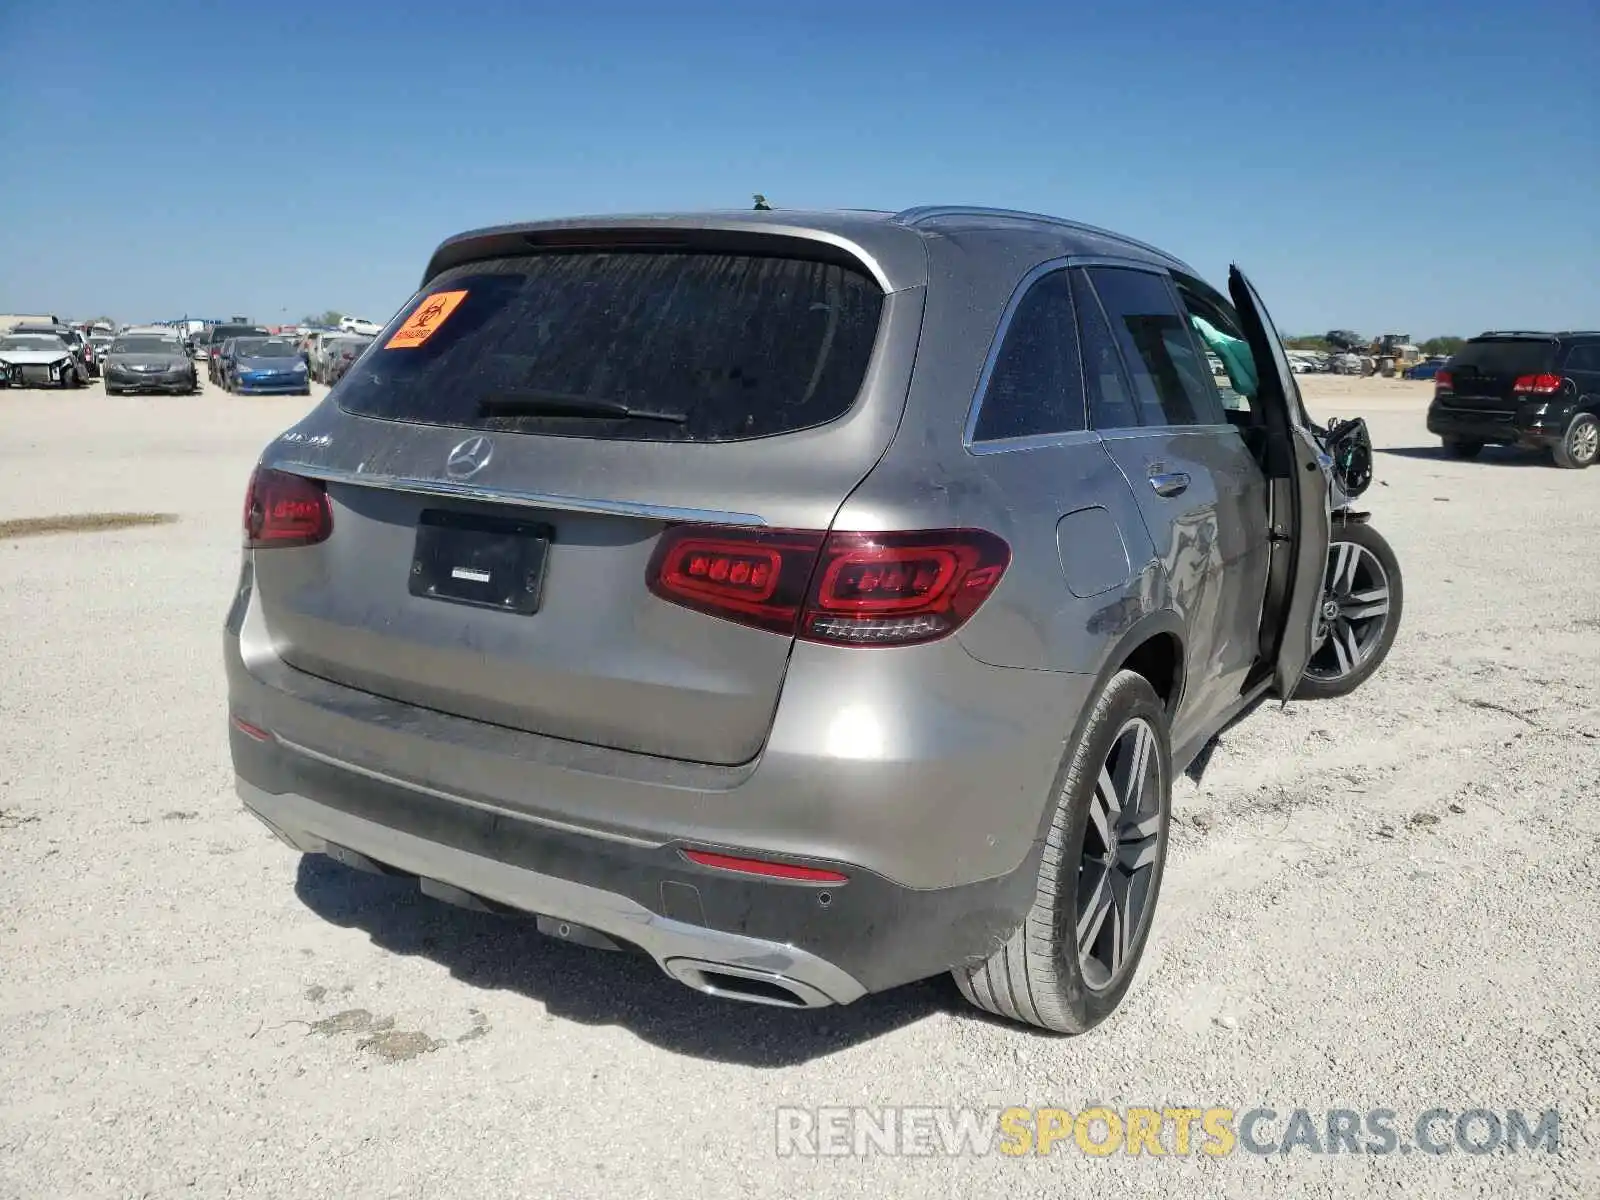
{"x": 1506, "y": 356}
{"x": 643, "y": 346}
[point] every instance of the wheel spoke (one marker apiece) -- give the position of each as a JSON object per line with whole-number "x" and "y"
{"x": 1139, "y": 777}
{"x": 1122, "y": 927}
{"x": 1340, "y": 653}
{"x": 1093, "y": 912}
{"x": 1140, "y": 844}
{"x": 1345, "y": 635}
{"x": 1100, "y": 818}
{"x": 1137, "y": 854}
{"x": 1133, "y": 771}
{"x": 1347, "y": 558}
{"x": 1107, "y": 793}
{"x": 1361, "y": 606}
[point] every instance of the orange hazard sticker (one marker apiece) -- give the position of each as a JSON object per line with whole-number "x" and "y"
{"x": 421, "y": 324}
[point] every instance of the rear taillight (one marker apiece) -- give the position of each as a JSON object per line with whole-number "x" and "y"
{"x": 847, "y": 589}
{"x": 1536, "y": 385}
{"x": 1443, "y": 382}
{"x": 282, "y": 510}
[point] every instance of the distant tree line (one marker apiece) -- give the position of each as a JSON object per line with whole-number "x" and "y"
{"x": 328, "y": 318}
{"x": 1337, "y": 340}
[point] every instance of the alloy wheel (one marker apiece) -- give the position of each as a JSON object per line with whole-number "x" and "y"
{"x": 1584, "y": 441}
{"x": 1121, "y": 847}
{"x": 1355, "y": 609}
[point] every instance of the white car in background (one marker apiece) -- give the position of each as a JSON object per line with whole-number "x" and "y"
{"x": 39, "y": 360}
{"x": 360, "y": 325}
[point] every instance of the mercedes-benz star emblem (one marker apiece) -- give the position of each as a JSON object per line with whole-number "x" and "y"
{"x": 470, "y": 457}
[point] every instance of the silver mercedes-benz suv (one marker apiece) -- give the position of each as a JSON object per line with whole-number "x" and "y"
{"x": 814, "y": 602}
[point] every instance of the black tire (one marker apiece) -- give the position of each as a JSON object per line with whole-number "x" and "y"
{"x": 1324, "y": 680}
{"x": 1459, "y": 449}
{"x": 1038, "y": 976}
{"x": 1579, "y": 447}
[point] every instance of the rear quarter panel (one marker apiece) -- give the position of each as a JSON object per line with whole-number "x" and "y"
{"x": 930, "y": 477}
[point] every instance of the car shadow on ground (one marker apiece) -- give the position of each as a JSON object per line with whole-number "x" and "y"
{"x": 598, "y": 987}
{"x": 1498, "y": 456}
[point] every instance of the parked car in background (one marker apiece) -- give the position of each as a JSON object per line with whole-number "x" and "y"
{"x": 341, "y": 356}
{"x": 317, "y": 343}
{"x": 39, "y": 360}
{"x": 663, "y": 629}
{"x": 101, "y": 341}
{"x": 1521, "y": 388}
{"x": 1426, "y": 369}
{"x": 218, "y": 334}
{"x": 323, "y": 351}
{"x": 360, "y": 325}
{"x": 82, "y": 353}
{"x": 266, "y": 367}
{"x": 217, "y": 364}
{"x": 145, "y": 363}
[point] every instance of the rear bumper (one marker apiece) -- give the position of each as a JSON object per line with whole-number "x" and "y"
{"x": 684, "y": 944}
{"x": 820, "y": 944}
{"x": 1535, "y": 424}
{"x": 939, "y": 836}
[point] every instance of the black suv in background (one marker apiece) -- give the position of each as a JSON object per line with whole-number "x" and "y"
{"x": 1522, "y": 388}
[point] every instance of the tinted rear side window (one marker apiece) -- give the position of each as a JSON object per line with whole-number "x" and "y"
{"x": 1506, "y": 356}
{"x": 1170, "y": 380}
{"x": 735, "y": 346}
{"x": 1584, "y": 358}
{"x": 1111, "y": 404}
{"x": 1036, "y": 387}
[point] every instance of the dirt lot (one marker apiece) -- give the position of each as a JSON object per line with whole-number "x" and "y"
{"x": 1382, "y": 902}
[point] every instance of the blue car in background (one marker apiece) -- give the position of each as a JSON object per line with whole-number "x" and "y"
{"x": 266, "y": 367}
{"x": 1426, "y": 370}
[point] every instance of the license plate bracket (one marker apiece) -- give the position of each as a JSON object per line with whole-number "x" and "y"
{"x": 480, "y": 561}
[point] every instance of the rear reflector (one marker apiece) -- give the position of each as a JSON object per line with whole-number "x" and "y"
{"x": 848, "y": 589}
{"x": 249, "y": 730}
{"x": 282, "y": 510}
{"x": 1536, "y": 385}
{"x": 757, "y": 866}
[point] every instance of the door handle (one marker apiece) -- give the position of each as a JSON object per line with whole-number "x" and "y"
{"x": 1169, "y": 483}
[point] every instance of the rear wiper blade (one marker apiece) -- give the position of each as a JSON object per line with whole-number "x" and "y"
{"x": 559, "y": 404}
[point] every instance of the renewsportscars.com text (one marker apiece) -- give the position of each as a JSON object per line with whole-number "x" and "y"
{"x": 1214, "y": 1131}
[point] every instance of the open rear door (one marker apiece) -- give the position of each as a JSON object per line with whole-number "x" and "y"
{"x": 1297, "y": 464}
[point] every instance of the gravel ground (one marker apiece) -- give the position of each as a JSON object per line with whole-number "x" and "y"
{"x": 1381, "y": 902}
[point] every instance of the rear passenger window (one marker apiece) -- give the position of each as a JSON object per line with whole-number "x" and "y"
{"x": 1584, "y": 358}
{"x": 1171, "y": 382}
{"x": 1035, "y": 388}
{"x": 1111, "y": 404}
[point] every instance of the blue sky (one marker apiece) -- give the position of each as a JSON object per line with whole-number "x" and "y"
{"x": 1426, "y": 168}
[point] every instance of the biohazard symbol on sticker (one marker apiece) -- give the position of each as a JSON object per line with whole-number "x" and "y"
{"x": 422, "y": 324}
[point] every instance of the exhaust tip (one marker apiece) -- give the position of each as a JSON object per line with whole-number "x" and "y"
{"x": 743, "y": 983}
